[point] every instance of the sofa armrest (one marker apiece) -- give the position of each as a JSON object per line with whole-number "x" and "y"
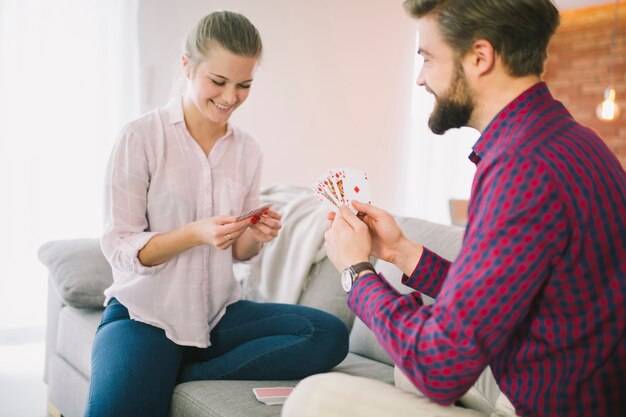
{"x": 78, "y": 271}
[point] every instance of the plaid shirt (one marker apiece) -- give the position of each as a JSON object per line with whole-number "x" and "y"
{"x": 538, "y": 290}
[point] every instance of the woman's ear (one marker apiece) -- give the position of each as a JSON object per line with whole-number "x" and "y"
{"x": 186, "y": 64}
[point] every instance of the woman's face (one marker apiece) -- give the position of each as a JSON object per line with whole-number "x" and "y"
{"x": 220, "y": 84}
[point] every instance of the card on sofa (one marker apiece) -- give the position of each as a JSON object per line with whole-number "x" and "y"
{"x": 272, "y": 395}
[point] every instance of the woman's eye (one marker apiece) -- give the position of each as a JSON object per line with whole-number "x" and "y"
{"x": 244, "y": 85}
{"x": 218, "y": 83}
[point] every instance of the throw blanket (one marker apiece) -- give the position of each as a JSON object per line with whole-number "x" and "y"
{"x": 280, "y": 274}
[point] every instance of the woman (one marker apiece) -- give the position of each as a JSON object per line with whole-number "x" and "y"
{"x": 177, "y": 178}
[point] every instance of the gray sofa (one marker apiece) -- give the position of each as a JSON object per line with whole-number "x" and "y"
{"x": 78, "y": 273}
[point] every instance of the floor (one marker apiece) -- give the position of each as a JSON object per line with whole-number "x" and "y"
{"x": 22, "y": 391}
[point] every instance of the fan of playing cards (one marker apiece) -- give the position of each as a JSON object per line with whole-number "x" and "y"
{"x": 341, "y": 186}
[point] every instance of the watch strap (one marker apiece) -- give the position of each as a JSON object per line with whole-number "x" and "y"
{"x": 362, "y": 266}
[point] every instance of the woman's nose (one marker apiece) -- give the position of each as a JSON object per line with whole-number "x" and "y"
{"x": 229, "y": 95}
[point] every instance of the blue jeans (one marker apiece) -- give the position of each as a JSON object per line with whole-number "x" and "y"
{"x": 134, "y": 366}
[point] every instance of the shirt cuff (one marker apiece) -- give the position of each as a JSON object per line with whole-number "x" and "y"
{"x": 130, "y": 247}
{"x": 428, "y": 275}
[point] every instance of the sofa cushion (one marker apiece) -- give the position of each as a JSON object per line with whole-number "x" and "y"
{"x": 445, "y": 240}
{"x": 235, "y": 398}
{"x": 223, "y": 399}
{"x": 358, "y": 365}
{"x": 364, "y": 343}
{"x": 323, "y": 291}
{"x": 78, "y": 269}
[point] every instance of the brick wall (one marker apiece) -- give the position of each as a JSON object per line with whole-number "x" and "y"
{"x": 578, "y": 68}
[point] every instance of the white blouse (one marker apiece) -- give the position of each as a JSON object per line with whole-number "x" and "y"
{"x": 159, "y": 179}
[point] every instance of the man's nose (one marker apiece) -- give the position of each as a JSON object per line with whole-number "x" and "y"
{"x": 421, "y": 81}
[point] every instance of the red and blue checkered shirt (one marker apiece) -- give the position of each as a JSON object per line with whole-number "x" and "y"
{"x": 538, "y": 290}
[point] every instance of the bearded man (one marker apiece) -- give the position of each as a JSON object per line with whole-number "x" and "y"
{"x": 538, "y": 291}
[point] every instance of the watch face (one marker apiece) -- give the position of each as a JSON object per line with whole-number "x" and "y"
{"x": 346, "y": 280}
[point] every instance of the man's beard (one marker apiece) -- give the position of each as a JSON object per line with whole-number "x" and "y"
{"x": 454, "y": 107}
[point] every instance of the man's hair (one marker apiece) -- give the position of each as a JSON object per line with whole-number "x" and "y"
{"x": 519, "y": 30}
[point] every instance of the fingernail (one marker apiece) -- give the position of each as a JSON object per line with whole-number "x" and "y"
{"x": 255, "y": 219}
{"x": 265, "y": 211}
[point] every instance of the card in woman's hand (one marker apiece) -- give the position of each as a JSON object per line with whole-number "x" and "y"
{"x": 252, "y": 213}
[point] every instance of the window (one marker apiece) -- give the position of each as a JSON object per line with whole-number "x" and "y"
{"x": 68, "y": 83}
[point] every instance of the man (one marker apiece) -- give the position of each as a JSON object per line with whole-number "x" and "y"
{"x": 538, "y": 290}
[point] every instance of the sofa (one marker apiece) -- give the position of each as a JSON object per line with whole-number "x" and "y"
{"x": 78, "y": 274}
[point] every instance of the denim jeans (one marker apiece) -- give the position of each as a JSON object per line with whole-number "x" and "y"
{"x": 134, "y": 366}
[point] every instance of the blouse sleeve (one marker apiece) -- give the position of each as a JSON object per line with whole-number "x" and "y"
{"x": 126, "y": 228}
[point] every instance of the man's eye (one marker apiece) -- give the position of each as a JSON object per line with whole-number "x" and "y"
{"x": 219, "y": 83}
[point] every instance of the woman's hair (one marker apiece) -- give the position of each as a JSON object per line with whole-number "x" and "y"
{"x": 229, "y": 30}
{"x": 518, "y": 30}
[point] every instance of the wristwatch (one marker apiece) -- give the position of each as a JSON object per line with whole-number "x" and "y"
{"x": 350, "y": 274}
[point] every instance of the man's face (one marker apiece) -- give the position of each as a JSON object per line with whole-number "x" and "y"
{"x": 442, "y": 75}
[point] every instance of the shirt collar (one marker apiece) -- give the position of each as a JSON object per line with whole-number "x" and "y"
{"x": 175, "y": 113}
{"x": 503, "y": 123}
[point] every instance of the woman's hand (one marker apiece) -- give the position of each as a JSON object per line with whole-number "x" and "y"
{"x": 220, "y": 232}
{"x": 265, "y": 228}
{"x": 261, "y": 229}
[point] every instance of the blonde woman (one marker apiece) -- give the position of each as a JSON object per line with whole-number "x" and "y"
{"x": 176, "y": 180}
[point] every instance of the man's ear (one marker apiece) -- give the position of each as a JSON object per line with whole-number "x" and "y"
{"x": 481, "y": 58}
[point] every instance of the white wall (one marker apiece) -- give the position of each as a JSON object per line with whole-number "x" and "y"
{"x": 334, "y": 88}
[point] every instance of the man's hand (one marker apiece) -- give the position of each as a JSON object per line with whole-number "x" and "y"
{"x": 388, "y": 241}
{"x": 348, "y": 240}
{"x": 387, "y": 237}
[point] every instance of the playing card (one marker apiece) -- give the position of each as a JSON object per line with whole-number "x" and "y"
{"x": 338, "y": 175}
{"x": 325, "y": 182}
{"x": 322, "y": 194}
{"x": 342, "y": 185}
{"x": 256, "y": 212}
{"x": 330, "y": 187}
{"x": 273, "y": 395}
{"x": 356, "y": 187}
